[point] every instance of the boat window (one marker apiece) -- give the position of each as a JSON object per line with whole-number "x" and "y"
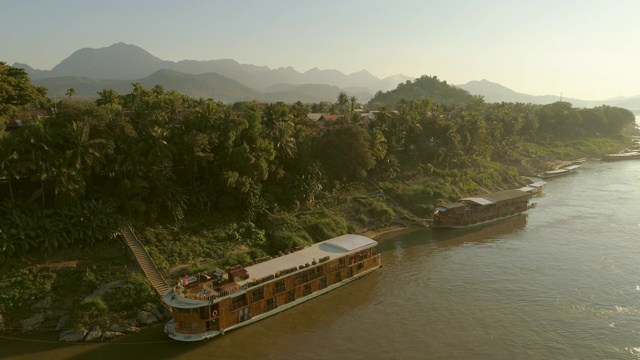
{"x": 338, "y": 276}
{"x": 279, "y": 286}
{"x": 257, "y": 294}
{"x": 271, "y": 304}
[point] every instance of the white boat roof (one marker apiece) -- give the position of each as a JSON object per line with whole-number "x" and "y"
{"x": 527, "y": 188}
{"x": 572, "y": 167}
{"x": 538, "y": 184}
{"x": 559, "y": 171}
{"x": 333, "y": 247}
{"x": 479, "y": 200}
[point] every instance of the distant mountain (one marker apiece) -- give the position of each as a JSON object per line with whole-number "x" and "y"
{"x": 127, "y": 62}
{"x": 118, "y": 62}
{"x": 86, "y": 88}
{"x": 493, "y": 92}
{"x": 209, "y": 85}
{"x": 632, "y": 103}
{"x": 307, "y": 93}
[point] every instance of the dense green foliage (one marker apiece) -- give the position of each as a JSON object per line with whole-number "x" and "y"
{"x": 235, "y": 174}
{"x": 421, "y": 88}
{"x": 133, "y": 296}
{"x": 16, "y": 90}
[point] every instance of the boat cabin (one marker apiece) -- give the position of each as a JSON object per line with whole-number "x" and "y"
{"x": 481, "y": 209}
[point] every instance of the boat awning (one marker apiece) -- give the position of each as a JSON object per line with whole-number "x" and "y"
{"x": 350, "y": 242}
{"x": 572, "y": 167}
{"x": 527, "y": 189}
{"x": 538, "y": 184}
{"x": 479, "y": 200}
{"x": 555, "y": 172}
{"x": 451, "y": 206}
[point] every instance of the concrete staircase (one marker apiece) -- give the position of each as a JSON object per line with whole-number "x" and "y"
{"x": 143, "y": 259}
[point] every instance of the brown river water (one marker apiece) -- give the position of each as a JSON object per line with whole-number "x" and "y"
{"x": 561, "y": 282}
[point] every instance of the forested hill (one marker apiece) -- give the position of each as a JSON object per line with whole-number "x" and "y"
{"x": 423, "y": 87}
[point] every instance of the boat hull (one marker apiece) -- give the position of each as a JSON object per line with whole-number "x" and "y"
{"x": 621, "y": 157}
{"x": 444, "y": 227}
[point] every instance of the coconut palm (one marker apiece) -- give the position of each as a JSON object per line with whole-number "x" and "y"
{"x": 8, "y": 155}
{"x": 71, "y": 93}
{"x": 108, "y": 97}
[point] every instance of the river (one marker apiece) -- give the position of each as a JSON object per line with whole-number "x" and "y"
{"x": 561, "y": 282}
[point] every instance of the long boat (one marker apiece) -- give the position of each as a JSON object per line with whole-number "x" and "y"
{"x": 208, "y": 304}
{"x": 481, "y": 209}
{"x": 535, "y": 188}
{"x": 559, "y": 172}
{"x": 622, "y": 156}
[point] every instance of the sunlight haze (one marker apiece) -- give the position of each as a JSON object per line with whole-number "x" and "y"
{"x": 580, "y": 49}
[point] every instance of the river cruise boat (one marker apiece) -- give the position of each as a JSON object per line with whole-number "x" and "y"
{"x": 559, "y": 172}
{"x": 622, "y": 156}
{"x": 209, "y": 304}
{"x": 481, "y": 209}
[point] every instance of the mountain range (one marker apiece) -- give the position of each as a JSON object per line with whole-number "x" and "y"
{"x": 117, "y": 66}
{"x": 493, "y": 92}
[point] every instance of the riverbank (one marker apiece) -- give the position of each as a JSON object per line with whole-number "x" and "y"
{"x": 108, "y": 262}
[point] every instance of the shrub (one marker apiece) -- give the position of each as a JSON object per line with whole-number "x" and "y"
{"x": 289, "y": 240}
{"x": 236, "y": 258}
{"x": 380, "y": 211}
{"x": 87, "y": 313}
{"x": 132, "y": 296}
{"x": 327, "y": 228}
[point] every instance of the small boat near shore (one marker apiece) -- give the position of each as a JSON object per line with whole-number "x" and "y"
{"x": 622, "y": 156}
{"x": 559, "y": 172}
{"x": 535, "y": 188}
{"x": 482, "y": 209}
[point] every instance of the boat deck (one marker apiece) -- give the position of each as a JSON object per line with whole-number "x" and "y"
{"x": 202, "y": 287}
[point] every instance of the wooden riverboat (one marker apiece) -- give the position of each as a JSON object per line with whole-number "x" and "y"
{"x": 535, "y": 188}
{"x": 559, "y": 172}
{"x": 622, "y": 156}
{"x": 481, "y": 209}
{"x": 209, "y": 304}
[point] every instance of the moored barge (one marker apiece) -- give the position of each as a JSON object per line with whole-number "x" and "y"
{"x": 481, "y": 209}
{"x": 208, "y": 304}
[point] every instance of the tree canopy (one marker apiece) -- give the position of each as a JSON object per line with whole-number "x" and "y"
{"x": 157, "y": 156}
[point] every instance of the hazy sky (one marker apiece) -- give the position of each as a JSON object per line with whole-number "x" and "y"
{"x": 585, "y": 49}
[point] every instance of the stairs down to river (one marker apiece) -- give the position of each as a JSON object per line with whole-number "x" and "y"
{"x": 143, "y": 259}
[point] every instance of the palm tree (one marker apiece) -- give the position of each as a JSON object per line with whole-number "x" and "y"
{"x": 82, "y": 155}
{"x": 343, "y": 100}
{"x": 7, "y": 156}
{"x": 353, "y": 101}
{"x": 283, "y": 141}
{"x": 71, "y": 93}
{"x": 108, "y": 97}
{"x": 39, "y": 154}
